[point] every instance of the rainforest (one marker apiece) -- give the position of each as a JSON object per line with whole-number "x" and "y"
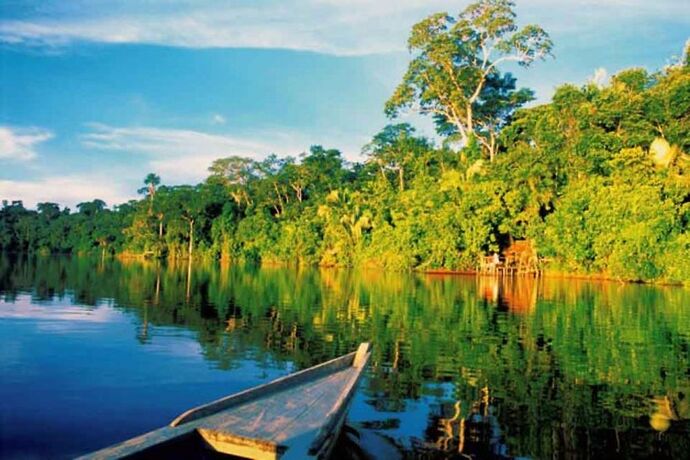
{"x": 597, "y": 179}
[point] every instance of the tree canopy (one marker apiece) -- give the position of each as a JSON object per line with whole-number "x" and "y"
{"x": 454, "y": 75}
{"x": 598, "y": 178}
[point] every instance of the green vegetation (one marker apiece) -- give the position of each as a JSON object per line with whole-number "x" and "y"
{"x": 599, "y": 178}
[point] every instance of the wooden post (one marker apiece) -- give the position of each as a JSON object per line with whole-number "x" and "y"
{"x": 362, "y": 352}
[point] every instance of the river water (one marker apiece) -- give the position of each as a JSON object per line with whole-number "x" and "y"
{"x": 93, "y": 352}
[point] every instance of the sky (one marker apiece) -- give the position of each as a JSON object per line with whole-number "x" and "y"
{"x": 95, "y": 94}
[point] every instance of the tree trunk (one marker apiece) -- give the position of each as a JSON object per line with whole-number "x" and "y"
{"x": 470, "y": 120}
{"x": 383, "y": 172}
{"x": 237, "y": 197}
{"x": 401, "y": 178}
{"x": 298, "y": 192}
{"x": 280, "y": 199}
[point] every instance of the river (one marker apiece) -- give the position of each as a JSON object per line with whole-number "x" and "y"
{"x": 93, "y": 352}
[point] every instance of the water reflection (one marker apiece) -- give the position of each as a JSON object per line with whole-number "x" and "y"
{"x": 514, "y": 294}
{"x": 485, "y": 367}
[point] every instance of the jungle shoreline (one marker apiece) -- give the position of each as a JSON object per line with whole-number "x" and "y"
{"x": 547, "y": 273}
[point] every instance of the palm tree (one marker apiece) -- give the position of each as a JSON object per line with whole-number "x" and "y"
{"x": 151, "y": 181}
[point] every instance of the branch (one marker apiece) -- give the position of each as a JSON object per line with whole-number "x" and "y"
{"x": 453, "y": 115}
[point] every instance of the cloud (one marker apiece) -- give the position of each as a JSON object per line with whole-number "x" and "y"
{"x": 338, "y": 27}
{"x": 167, "y": 142}
{"x": 218, "y": 119}
{"x": 281, "y": 26}
{"x": 19, "y": 144}
{"x": 182, "y": 155}
{"x": 600, "y": 77}
{"x": 66, "y": 190}
{"x": 23, "y": 307}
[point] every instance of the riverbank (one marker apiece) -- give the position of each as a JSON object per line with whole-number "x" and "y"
{"x": 554, "y": 274}
{"x": 273, "y": 263}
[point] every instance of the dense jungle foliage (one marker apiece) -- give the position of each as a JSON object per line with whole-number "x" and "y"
{"x": 598, "y": 179}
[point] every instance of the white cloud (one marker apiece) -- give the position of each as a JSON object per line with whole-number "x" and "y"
{"x": 24, "y": 308}
{"x": 338, "y": 27}
{"x": 167, "y": 142}
{"x": 182, "y": 155}
{"x": 600, "y": 77}
{"x": 280, "y": 27}
{"x": 66, "y": 190}
{"x": 19, "y": 144}
{"x": 218, "y": 119}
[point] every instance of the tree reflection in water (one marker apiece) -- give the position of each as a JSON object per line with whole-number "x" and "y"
{"x": 497, "y": 367}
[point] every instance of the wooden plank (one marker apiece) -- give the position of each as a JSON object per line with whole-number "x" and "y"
{"x": 257, "y": 449}
{"x": 335, "y": 419}
{"x": 265, "y": 389}
{"x": 292, "y": 417}
{"x": 362, "y": 355}
{"x": 271, "y": 416}
{"x": 141, "y": 444}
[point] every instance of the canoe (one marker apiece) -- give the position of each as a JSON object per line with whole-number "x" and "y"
{"x": 298, "y": 416}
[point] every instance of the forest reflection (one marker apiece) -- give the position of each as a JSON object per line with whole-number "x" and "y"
{"x": 505, "y": 367}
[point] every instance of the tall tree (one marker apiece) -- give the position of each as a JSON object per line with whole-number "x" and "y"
{"x": 235, "y": 173}
{"x": 151, "y": 181}
{"x": 394, "y": 148}
{"x": 48, "y": 210}
{"x": 324, "y": 168}
{"x": 91, "y": 208}
{"x": 454, "y": 74}
{"x": 271, "y": 171}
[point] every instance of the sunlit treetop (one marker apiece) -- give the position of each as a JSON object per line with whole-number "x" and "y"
{"x": 454, "y": 74}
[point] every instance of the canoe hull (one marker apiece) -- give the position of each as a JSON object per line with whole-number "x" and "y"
{"x": 295, "y": 417}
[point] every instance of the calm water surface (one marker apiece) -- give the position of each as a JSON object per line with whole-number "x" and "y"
{"x": 94, "y": 352}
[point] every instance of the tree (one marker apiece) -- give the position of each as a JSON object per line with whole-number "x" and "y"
{"x": 151, "y": 181}
{"x": 296, "y": 177}
{"x": 323, "y": 168}
{"x": 454, "y": 74}
{"x": 235, "y": 173}
{"x": 394, "y": 149}
{"x": 91, "y": 208}
{"x": 48, "y": 210}
{"x": 275, "y": 183}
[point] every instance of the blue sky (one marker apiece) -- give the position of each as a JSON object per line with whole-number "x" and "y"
{"x": 95, "y": 94}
